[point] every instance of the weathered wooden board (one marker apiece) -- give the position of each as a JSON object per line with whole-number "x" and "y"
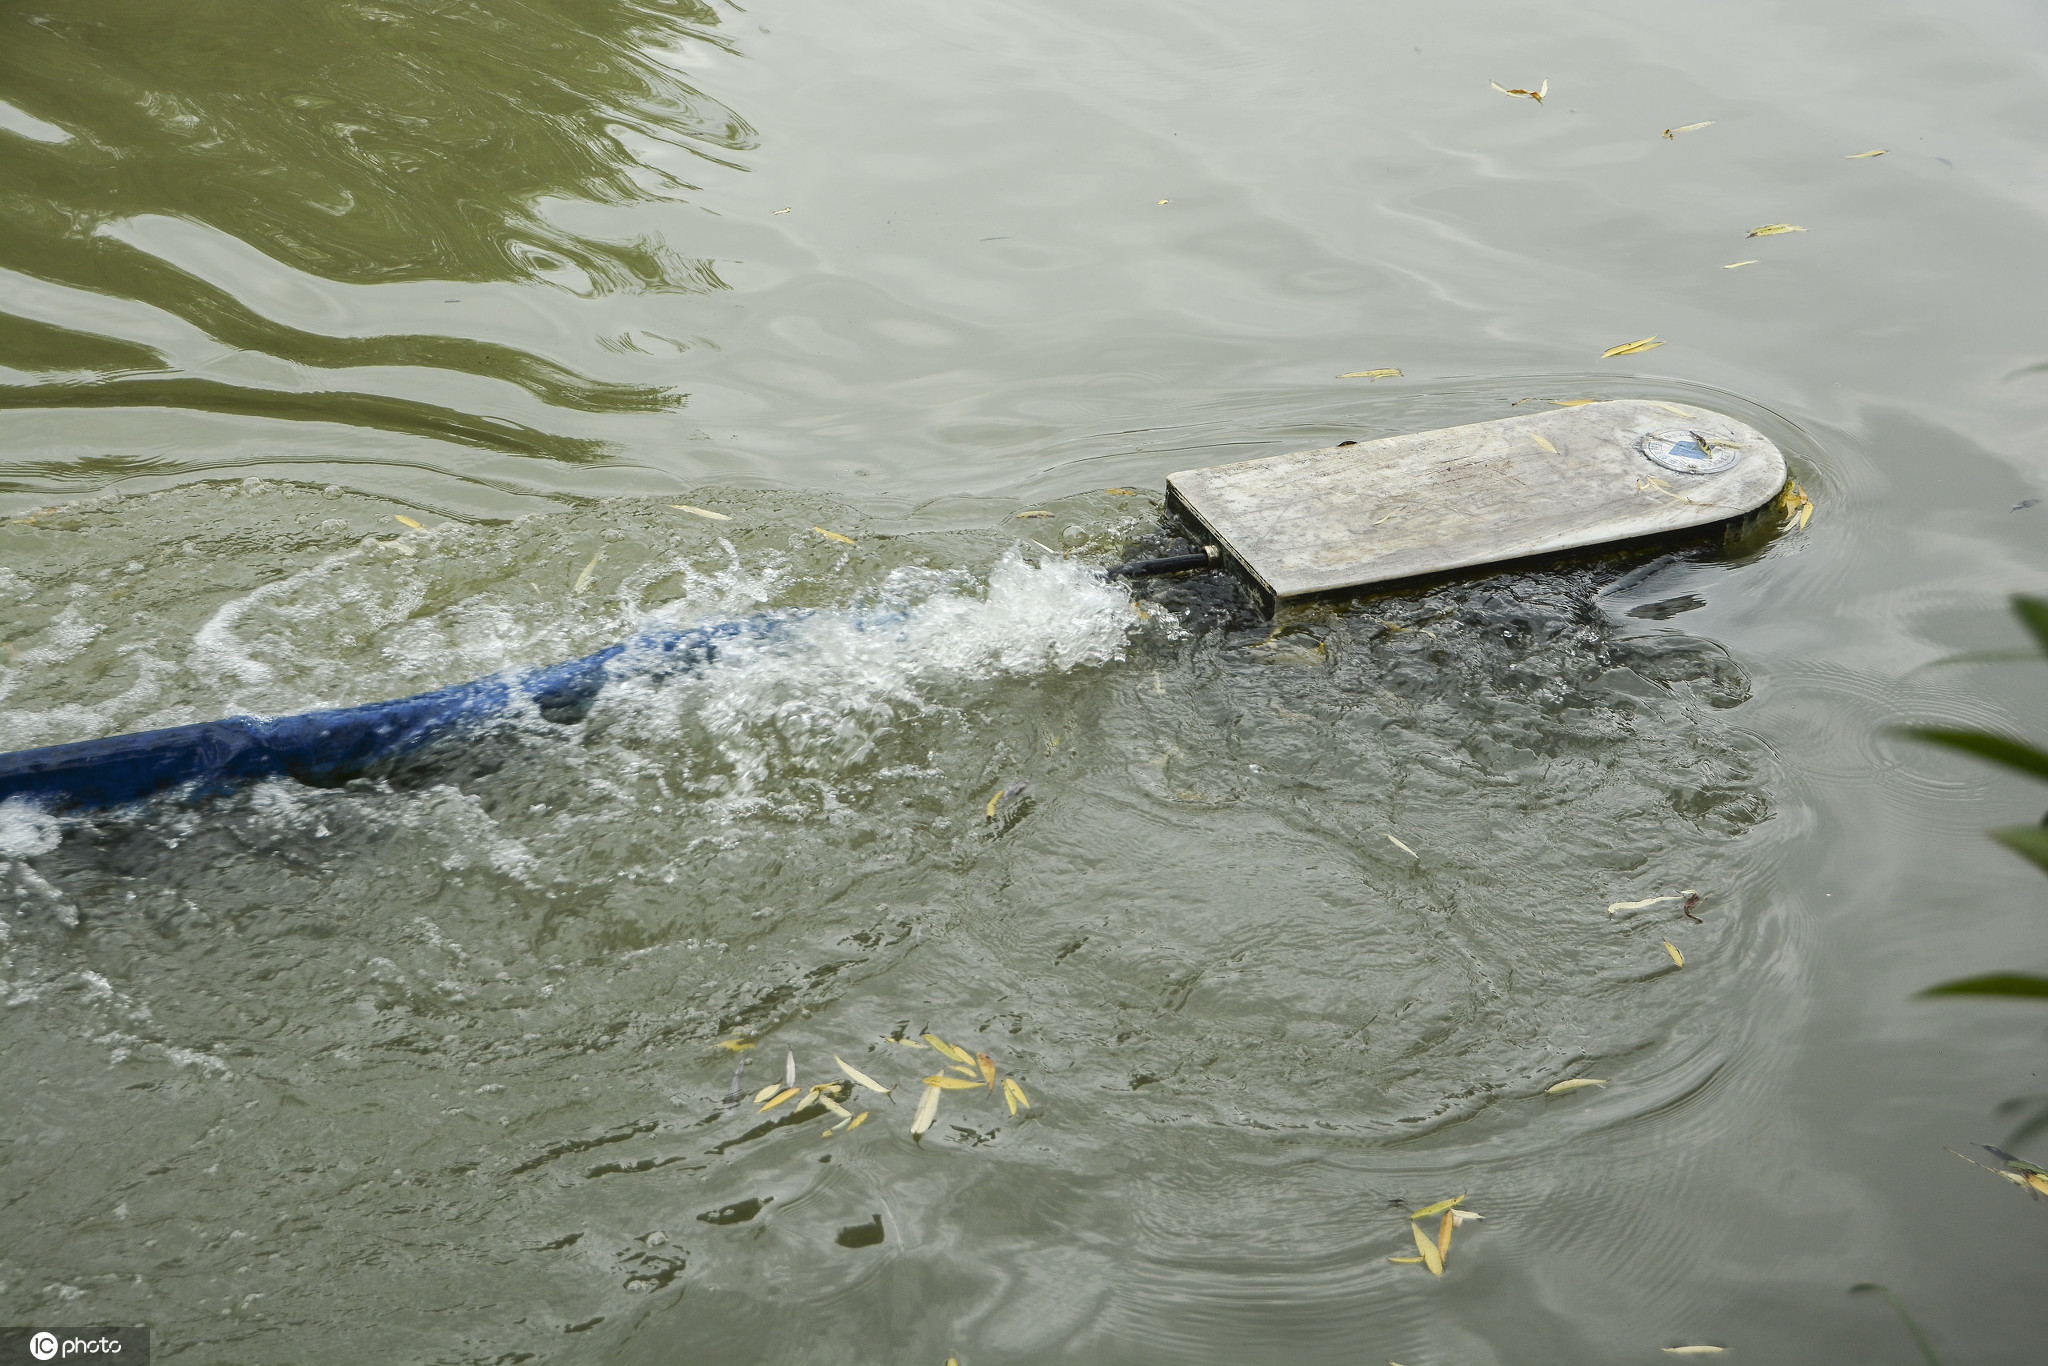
{"x": 1561, "y": 479}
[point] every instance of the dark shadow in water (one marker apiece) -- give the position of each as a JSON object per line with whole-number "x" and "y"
{"x": 366, "y": 144}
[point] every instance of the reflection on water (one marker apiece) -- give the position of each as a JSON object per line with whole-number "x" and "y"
{"x": 362, "y": 145}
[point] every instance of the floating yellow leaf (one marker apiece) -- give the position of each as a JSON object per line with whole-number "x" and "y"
{"x": 988, "y": 1069}
{"x": 1406, "y": 1261}
{"x": 1572, "y": 402}
{"x": 941, "y": 1080}
{"x": 833, "y": 535}
{"x": 583, "y": 579}
{"x": 858, "y": 1120}
{"x": 1125, "y": 492}
{"x": 1537, "y": 94}
{"x": 968, "y": 1070}
{"x": 1013, "y": 790}
{"x": 1370, "y": 374}
{"x": 1873, "y": 152}
{"x": 927, "y": 1111}
{"x": 1544, "y": 442}
{"x": 1014, "y": 1094}
{"x": 907, "y": 1043}
{"x": 1676, "y": 956}
{"x": 778, "y": 212}
{"x": 1461, "y": 1215}
{"x": 783, "y": 1095}
{"x": 1035, "y": 512}
{"x": 1734, "y": 265}
{"x": 1649, "y": 343}
{"x": 1575, "y": 1083}
{"x": 1166, "y": 201}
{"x": 1795, "y": 504}
{"x": 956, "y": 1054}
{"x": 770, "y": 1089}
{"x": 1773, "y": 229}
{"x": 863, "y": 1078}
{"x": 1688, "y": 128}
{"x": 1638, "y": 905}
{"x": 835, "y": 1107}
{"x": 1443, "y": 1235}
{"x": 1431, "y": 1258}
{"x": 736, "y": 1045}
{"x": 401, "y": 517}
{"x": 1438, "y": 1208}
{"x": 702, "y": 512}
{"x": 1402, "y": 847}
{"x": 1700, "y": 1351}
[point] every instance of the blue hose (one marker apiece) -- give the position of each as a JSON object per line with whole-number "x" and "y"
{"x": 327, "y": 747}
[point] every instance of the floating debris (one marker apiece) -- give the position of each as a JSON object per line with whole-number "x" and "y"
{"x": 1647, "y": 901}
{"x": 1649, "y": 343}
{"x": 1698, "y": 1351}
{"x": 1733, "y": 265}
{"x": 1035, "y": 512}
{"x": 1575, "y": 1084}
{"x": 944, "y": 1082}
{"x": 401, "y": 517}
{"x": 1370, "y": 374}
{"x": 780, "y": 1097}
{"x": 1397, "y": 843}
{"x": 1687, "y": 128}
{"x": 702, "y": 512}
{"x": 1014, "y": 790}
{"x": 834, "y": 535}
{"x": 1676, "y": 956}
{"x": 1873, "y": 152}
{"x": 736, "y": 1045}
{"x": 1773, "y": 229}
{"x": 927, "y": 1111}
{"x": 1431, "y": 1258}
{"x": 583, "y": 579}
{"x": 1797, "y": 507}
{"x": 1014, "y": 1094}
{"x": 1537, "y": 94}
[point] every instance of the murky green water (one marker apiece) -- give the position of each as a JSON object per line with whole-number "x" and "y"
{"x": 1284, "y": 936}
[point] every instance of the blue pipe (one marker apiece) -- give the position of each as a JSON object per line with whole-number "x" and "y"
{"x": 331, "y": 746}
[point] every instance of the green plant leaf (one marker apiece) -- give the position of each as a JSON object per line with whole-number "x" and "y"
{"x": 2028, "y": 841}
{"x": 2033, "y": 614}
{"x": 1999, "y": 750}
{"x": 1993, "y": 984}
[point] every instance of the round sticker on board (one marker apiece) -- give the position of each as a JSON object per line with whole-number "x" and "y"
{"x": 1690, "y": 452}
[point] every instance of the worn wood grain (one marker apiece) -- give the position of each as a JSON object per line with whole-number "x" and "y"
{"x": 1563, "y": 479}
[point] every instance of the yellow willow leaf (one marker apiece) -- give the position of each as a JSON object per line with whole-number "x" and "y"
{"x": 988, "y": 1069}
{"x": 770, "y": 1089}
{"x": 960, "y": 1055}
{"x": 1773, "y": 229}
{"x": 1638, "y": 905}
{"x": 1035, "y": 512}
{"x": 1014, "y": 1094}
{"x": 583, "y": 579}
{"x": 786, "y": 1093}
{"x": 1462, "y": 1215}
{"x": 863, "y": 1078}
{"x": 1688, "y": 128}
{"x": 1574, "y": 1084}
{"x": 833, "y": 534}
{"x": 1737, "y": 265}
{"x": 927, "y": 1111}
{"x": 1543, "y": 90}
{"x": 1572, "y": 402}
{"x": 1544, "y": 442}
{"x": 1498, "y": 86}
{"x": 971, "y": 1072}
{"x": 858, "y": 1120}
{"x": 2037, "y": 1182}
{"x": 1370, "y": 374}
{"x": 1124, "y": 492}
{"x": 1443, "y": 1235}
{"x": 1431, "y": 1258}
{"x": 1649, "y": 343}
{"x": 1676, "y": 956}
{"x": 702, "y": 512}
{"x": 991, "y": 809}
{"x": 951, "y": 1083}
{"x": 736, "y": 1045}
{"x": 907, "y": 1043}
{"x": 1805, "y": 512}
{"x": 1402, "y": 847}
{"x": 1438, "y": 1208}
{"x": 1699, "y": 1351}
{"x": 835, "y": 1107}
{"x": 401, "y": 517}
{"x": 778, "y": 212}
{"x": 1873, "y": 152}
{"x": 1406, "y": 1261}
